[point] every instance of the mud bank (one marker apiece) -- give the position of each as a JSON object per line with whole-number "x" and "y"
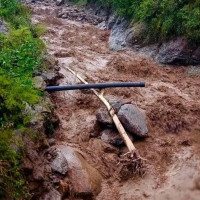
{"x": 170, "y": 102}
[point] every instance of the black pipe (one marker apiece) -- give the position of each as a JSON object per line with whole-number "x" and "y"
{"x": 94, "y": 86}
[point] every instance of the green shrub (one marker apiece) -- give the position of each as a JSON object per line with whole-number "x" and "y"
{"x": 15, "y": 13}
{"x": 21, "y": 56}
{"x": 14, "y": 95}
{"x": 166, "y": 18}
{"x": 11, "y": 181}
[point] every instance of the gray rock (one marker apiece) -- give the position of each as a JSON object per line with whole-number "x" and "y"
{"x": 104, "y": 118}
{"x": 116, "y": 104}
{"x": 136, "y": 34}
{"x": 60, "y": 164}
{"x": 149, "y": 51}
{"x": 85, "y": 180}
{"x": 3, "y": 27}
{"x": 102, "y": 25}
{"x": 133, "y": 120}
{"x": 178, "y": 52}
{"x": 125, "y": 34}
{"x": 112, "y": 137}
{"x": 51, "y": 78}
{"x": 196, "y": 56}
{"x": 117, "y": 40}
{"x": 52, "y": 195}
{"x": 111, "y": 21}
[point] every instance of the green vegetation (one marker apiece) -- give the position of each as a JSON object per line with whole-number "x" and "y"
{"x": 165, "y": 18}
{"x": 21, "y": 54}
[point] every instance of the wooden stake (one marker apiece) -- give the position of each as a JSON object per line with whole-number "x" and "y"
{"x": 111, "y": 111}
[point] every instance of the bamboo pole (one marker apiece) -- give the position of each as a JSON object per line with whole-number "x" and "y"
{"x": 112, "y": 113}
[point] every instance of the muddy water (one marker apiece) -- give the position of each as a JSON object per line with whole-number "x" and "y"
{"x": 171, "y": 102}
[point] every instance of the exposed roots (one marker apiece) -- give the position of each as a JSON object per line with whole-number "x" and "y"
{"x": 131, "y": 165}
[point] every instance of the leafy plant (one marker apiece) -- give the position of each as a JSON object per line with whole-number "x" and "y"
{"x": 21, "y": 56}
{"x": 165, "y": 18}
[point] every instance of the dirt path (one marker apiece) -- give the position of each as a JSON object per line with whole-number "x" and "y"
{"x": 171, "y": 102}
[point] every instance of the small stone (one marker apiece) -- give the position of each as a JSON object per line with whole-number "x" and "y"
{"x": 104, "y": 118}
{"x": 112, "y": 137}
{"x": 52, "y": 141}
{"x": 116, "y": 104}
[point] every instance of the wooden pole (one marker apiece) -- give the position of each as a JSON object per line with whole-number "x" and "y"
{"x": 112, "y": 113}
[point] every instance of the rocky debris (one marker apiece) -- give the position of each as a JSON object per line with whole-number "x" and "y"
{"x": 112, "y": 137}
{"x": 52, "y": 195}
{"x": 196, "y": 56}
{"x": 39, "y": 82}
{"x": 51, "y": 78}
{"x": 39, "y": 114}
{"x": 59, "y": 164}
{"x": 59, "y": 2}
{"x": 133, "y": 120}
{"x": 120, "y": 30}
{"x": 125, "y": 34}
{"x": 102, "y": 25}
{"x": 35, "y": 162}
{"x": 111, "y": 21}
{"x": 85, "y": 180}
{"x": 3, "y": 27}
{"x": 51, "y": 141}
{"x": 178, "y": 51}
{"x": 104, "y": 118}
{"x": 80, "y": 14}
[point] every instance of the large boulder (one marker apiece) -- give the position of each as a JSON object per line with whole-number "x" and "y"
{"x": 125, "y": 34}
{"x": 133, "y": 120}
{"x": 85, "y": 180}
{"x": 178, "y": 51}
{"x": 120, "y": 30}
{"x": 128, "y": 34}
